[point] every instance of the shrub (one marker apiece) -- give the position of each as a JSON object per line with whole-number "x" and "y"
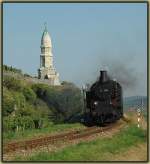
{"x": 12, "y": 123}
{"x": 19, "y": 99}
{"x": 8, "y": 102}
{"x": 12, "y": 101}
{"x": 12, "y": 83}
{"x": 29, "y": 94}
{"x": 27, "y": 122}
{"x": 8, "y": 124}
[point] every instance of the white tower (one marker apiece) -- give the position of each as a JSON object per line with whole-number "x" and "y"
{"x": 47, "y": 70}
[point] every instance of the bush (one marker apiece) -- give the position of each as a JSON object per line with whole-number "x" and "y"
{"x": 37, "y": 115}
{"x": 8, "y": 102}
{"x": 29, "y": 94}
{"x": 12, "y": 83}
{"x": 27, "y": 122}
{"x": 12, "y": 100}
{"x": 19, "y": 100}
{"x": 17, "y": 123}
{"x": 8, "y": 124}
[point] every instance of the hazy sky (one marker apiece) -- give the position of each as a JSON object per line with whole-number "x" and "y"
{"x": 85, "y": 37}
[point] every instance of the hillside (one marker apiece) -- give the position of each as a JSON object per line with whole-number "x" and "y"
{"x": 135, "y": 101}
{"x": 33, "y": 105}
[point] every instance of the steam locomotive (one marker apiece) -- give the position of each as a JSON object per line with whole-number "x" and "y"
{"x": 104, "y": 101}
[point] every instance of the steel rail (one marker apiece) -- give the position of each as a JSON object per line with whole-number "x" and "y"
{"x": 33, "y": 143}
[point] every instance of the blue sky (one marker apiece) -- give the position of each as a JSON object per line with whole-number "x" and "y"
{"x": 85, "y": 37}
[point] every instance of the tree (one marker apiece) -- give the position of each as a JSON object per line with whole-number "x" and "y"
{"x": 71, "y": 100}
{"x": 12, "y": 69}
{"x": 65, "y": 101}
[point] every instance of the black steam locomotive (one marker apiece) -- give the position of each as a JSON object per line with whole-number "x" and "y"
{"x": 104, "y": 103}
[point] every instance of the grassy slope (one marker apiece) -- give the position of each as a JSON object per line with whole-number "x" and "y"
{"x": 134, "y": 153}
{"x": 100, "y": 149}
{"x": 32, "y": 133}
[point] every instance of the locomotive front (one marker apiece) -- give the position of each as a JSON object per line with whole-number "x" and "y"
{"x": 104, "y": 101}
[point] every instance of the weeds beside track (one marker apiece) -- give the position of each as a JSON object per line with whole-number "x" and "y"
{"x": 34, "y": 143}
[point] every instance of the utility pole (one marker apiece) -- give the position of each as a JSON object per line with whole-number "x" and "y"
{"x": 138, "y": 117}
{"x": 139, "y": 112}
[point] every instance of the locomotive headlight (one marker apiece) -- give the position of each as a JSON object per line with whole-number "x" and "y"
{"x": 95, "y": 103}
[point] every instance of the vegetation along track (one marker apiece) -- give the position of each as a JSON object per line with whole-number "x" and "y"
{"x": 33, "y": 143}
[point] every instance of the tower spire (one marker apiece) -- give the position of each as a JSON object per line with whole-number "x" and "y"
{"x": 45, "y": 26}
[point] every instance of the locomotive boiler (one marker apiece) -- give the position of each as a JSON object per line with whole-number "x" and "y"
{"x": 104, "y": 101}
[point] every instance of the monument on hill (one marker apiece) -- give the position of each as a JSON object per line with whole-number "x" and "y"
{"x": 47, "y": 70}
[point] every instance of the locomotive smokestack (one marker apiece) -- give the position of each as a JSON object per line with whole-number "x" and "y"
{"x": 103, "y": 76}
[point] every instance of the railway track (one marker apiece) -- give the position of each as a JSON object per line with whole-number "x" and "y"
{"x": 34, "y": 143}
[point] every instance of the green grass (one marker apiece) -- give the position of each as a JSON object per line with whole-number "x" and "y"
{"x": 27, "y": 134}
{"x": 100, "y": 149}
